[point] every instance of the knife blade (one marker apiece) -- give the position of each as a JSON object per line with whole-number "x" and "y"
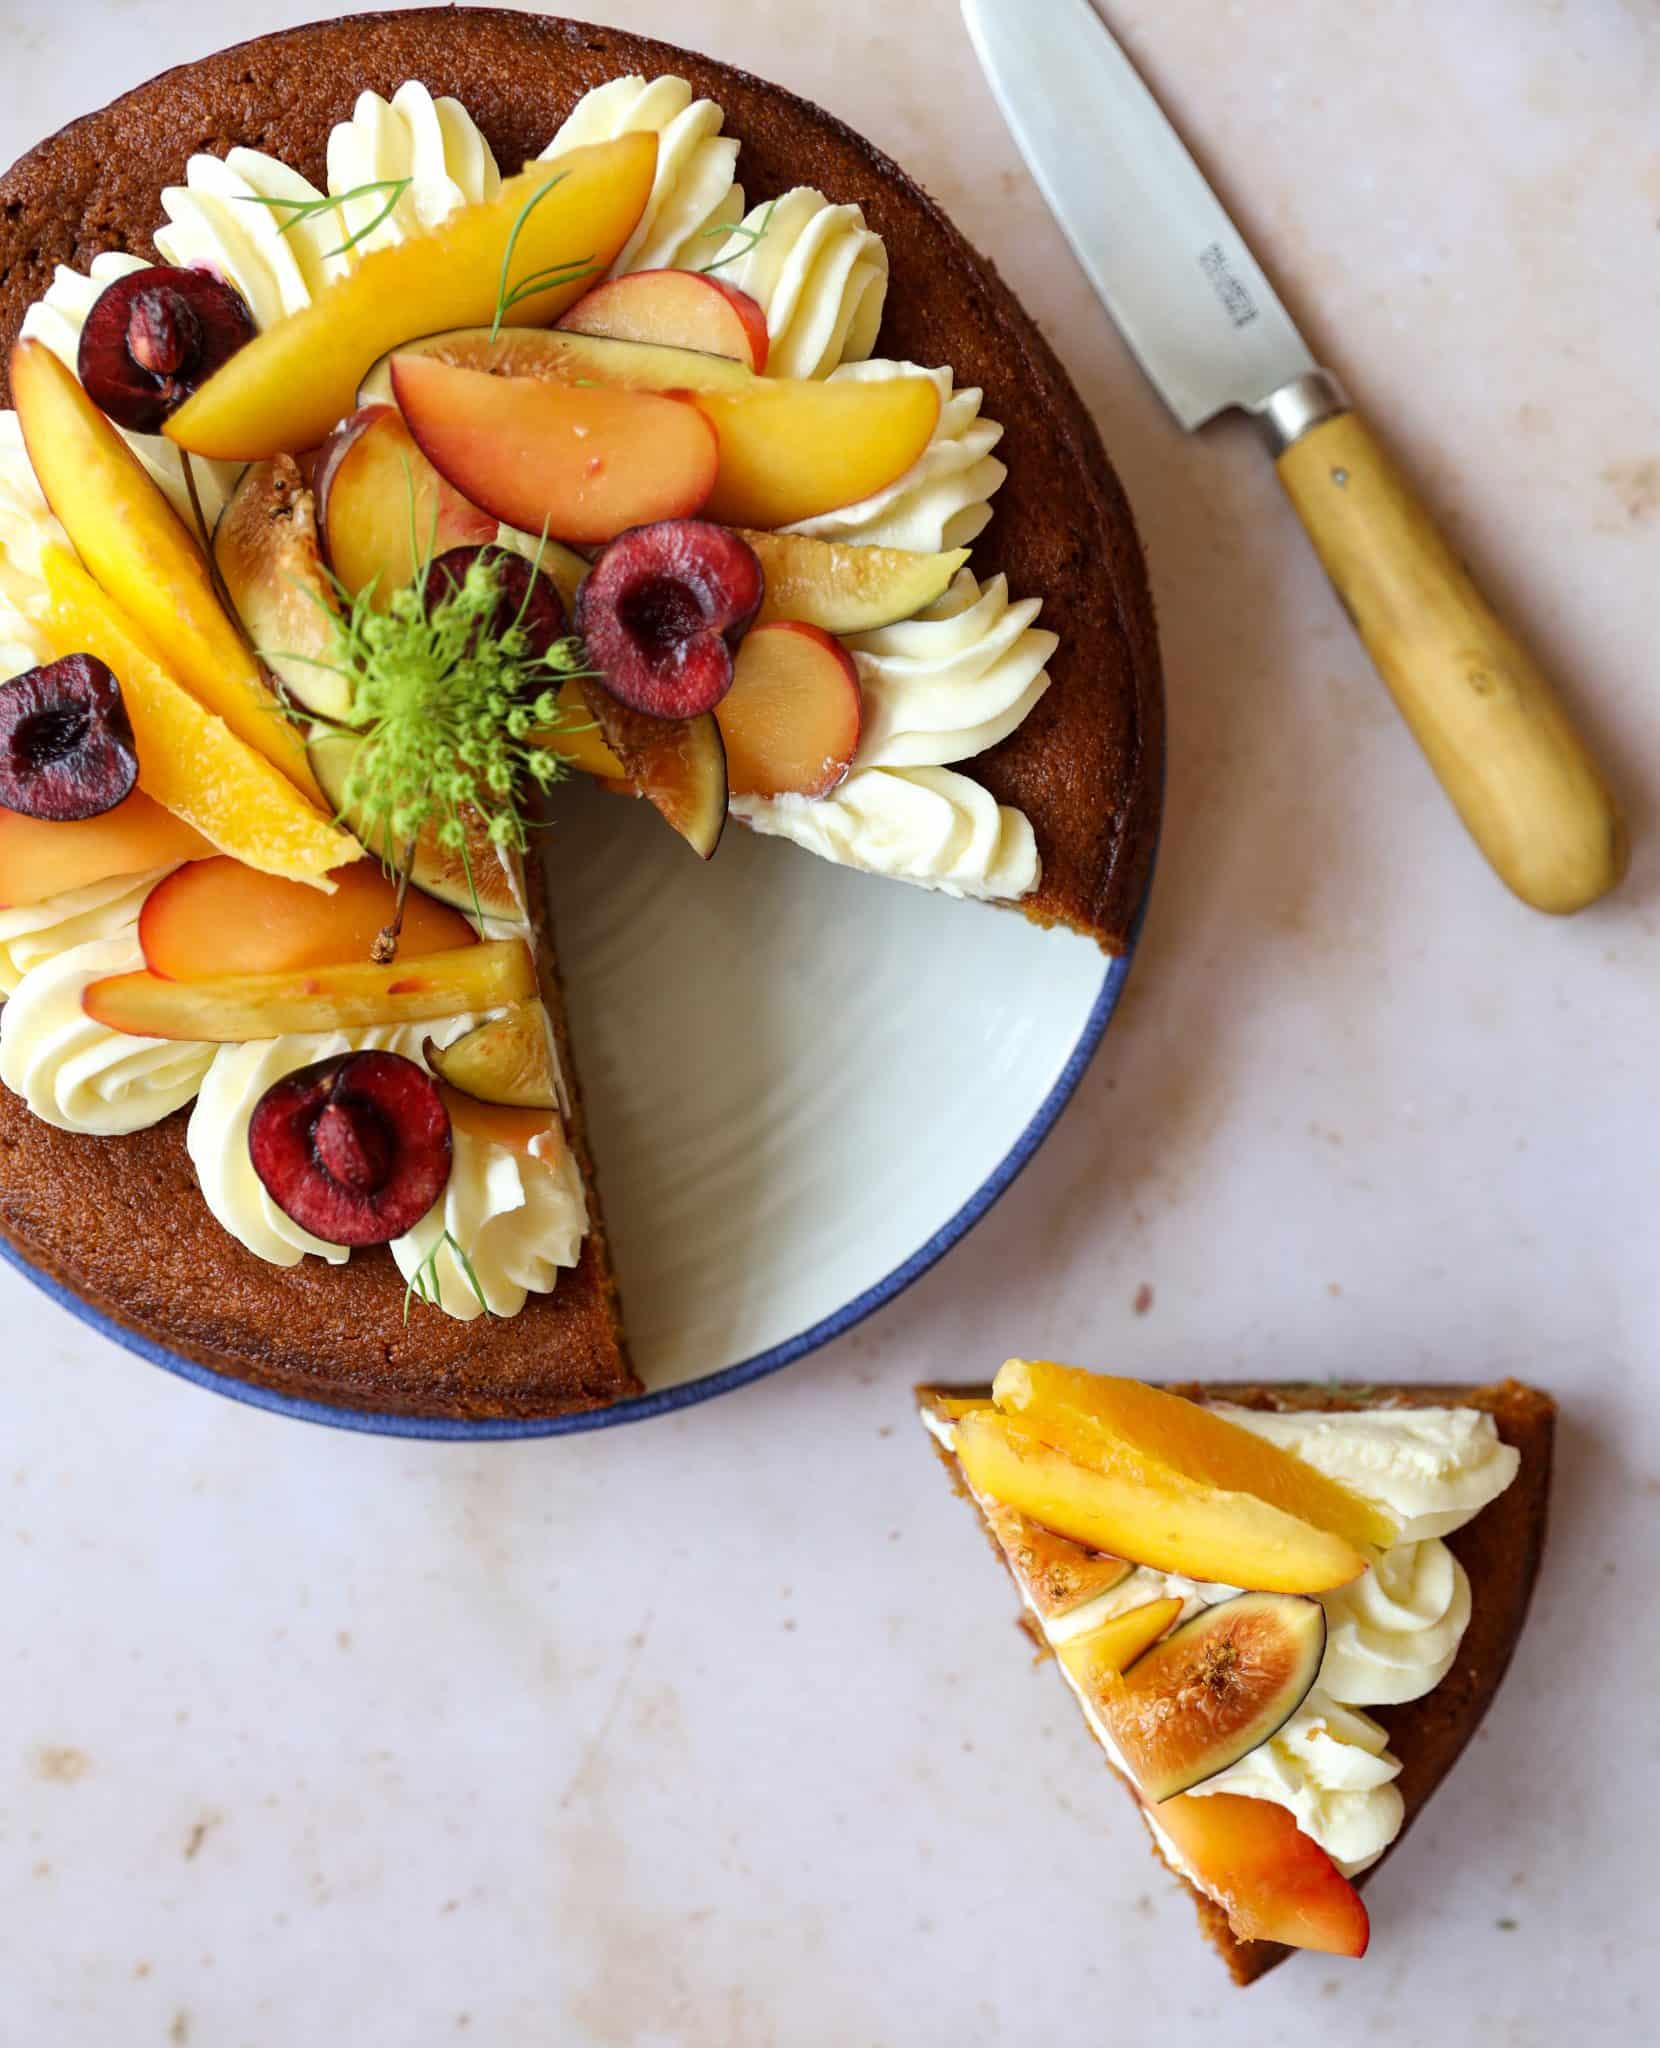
{"x": 1207, "y": 327}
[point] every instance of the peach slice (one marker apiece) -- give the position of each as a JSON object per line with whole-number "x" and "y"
{"x": 131, "y": 540}
{"x": 505, "y": 1061}
{"x": 848, "y": 589}
{"x": 286, "y": 389}
{"x": 1057, "y": 1575}
{"x": 1098, "y": 1659}
{"x": 1110, "y": 1423}
{"x": 188, "y": 760}
{"x": 1271, "y": 1880}
{"x": 582, "y": 464}
{"x": 579, "y": 739}
{"x": 534, "y": 1133}
{"x": 1152, "y": 1518}
{"x": 789, "y": 449}
{"x": 233, "y": 1009}
{"x": 677, "y": 309}
{"x": 38, "y": 859}
{"x": 382, "y": 508}
{"x": 791, "y": 719}
{"x": 217, "y": 917}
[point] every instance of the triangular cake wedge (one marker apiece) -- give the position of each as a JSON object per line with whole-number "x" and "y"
{"x": 1499, "y": 1550}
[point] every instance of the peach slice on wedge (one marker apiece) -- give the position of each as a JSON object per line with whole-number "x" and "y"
{"x": 188, "y": 760}
{"x": 217, "y": 917}
{"x": 1057, "y": 1575}
{"x": 1098, "y": 1659}
{"x": 1152, "y": 1518}
{"x": 1272, "y": 1881}
{"x": 789, "y": 448}
{"x": 286, "y": 389}
{"x": 1113, "y": 1423}
{"x": 676, "y": 309}
{"x": 383, "y": 510}
{"x": 581, "y": 464}
{"x": 848, "y": 589}
{"x": 792, "y": 717}
{"x": 131, "y": 540}
{"x": 38, "y": 859}
{"x": 233, "y": 1009}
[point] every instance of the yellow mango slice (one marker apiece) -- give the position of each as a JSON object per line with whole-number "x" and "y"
{"x": 1104, "y": 1654}
{"x": 132, "y": 541}
{"x": 234, "y": 1008}
{"x": 1105, "y": 1422}
{"x": 285, "y": 390}
{"x": 1157, "y": 1519}
{"x": 190, "y": 762}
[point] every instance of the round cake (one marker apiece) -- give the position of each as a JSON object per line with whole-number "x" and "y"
{"x": 121, "y": 1224}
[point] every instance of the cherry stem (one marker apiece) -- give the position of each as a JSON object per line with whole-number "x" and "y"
{"x": 385, "y": 949}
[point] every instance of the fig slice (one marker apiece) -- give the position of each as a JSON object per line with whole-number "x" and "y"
{"x": 506, "y": 1060}
{"x": 1214, "y": 1689}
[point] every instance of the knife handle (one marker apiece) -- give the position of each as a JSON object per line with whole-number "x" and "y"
{"x": 1494, "y": 730}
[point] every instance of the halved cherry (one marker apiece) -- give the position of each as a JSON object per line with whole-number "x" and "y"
{"x": 529, "y": 597}
{"x": 66, "y": 743}
{"x": 152, "y": 338}
{"x": 662, "y": 611}
{"x": 355, "y": 1149}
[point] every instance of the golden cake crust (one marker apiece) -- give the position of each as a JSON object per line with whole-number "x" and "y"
{"x": 120, "y": 1221}
{"x": 1500, "y": 1551}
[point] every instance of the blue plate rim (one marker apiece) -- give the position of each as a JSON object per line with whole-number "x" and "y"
{"x": 671, "y": 1400}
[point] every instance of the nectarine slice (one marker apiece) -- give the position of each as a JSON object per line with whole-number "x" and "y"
{"x": 1154, "y": 1518}
{"x": 188, "y": 760}
{"x": 1103, "y": 1421}
{"x": 789, "y": 448}
{"x": 792, "y": 716}
{"x": 577, "y": 463}
{"x": 217, "y": 917}
{"x": 38, "y": 859}
{"x": 676, "y": 309}
{"x": 1272, "y": 1881}
{"x": 848, "y": 589}
{"x": 234, "y": 1009}
{"x": 286, "y": 389}
{"x": 383, "y": 510}
{"x": 131, "y": 540}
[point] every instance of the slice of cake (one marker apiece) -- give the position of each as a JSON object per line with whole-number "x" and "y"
{"x": 1283, "y": 1609}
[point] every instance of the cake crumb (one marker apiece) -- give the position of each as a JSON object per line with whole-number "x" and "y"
{"x": 1143, "y": 1299}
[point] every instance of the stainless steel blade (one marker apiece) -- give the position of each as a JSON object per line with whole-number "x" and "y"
{"x": 1166, "y": 261}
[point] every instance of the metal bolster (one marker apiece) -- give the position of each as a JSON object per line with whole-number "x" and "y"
{"x": 1287, "y": 414}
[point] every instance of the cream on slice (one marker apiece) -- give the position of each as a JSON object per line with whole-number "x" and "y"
{"x": 1392, "y": 1633}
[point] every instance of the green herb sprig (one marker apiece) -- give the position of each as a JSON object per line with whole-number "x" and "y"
{"x": 509, "y": 294}
{"x": 746, "y": 236}
{"x": 424, "y": 1284}
{"x": 314, "y": 209}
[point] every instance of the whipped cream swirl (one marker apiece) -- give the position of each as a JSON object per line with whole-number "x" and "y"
{"x": 78, "y": 1074}
{"x": 939, "y": 688}
{"x": 517, "y": 1220}
{"x": 944, "y": 499}
{"x": 820, "y": 274}
{"x": 693, "y": 195}
{"x": 435, "y": 144}
{"x": 32, "y": 933}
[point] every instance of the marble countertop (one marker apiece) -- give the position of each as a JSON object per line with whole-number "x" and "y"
{"x": 716, "y": 1732}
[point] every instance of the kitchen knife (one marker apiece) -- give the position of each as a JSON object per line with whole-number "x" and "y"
{"x": 1206, "y": 326}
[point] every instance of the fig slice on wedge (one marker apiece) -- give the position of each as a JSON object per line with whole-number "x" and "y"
{"x": 1214, "y": 1689}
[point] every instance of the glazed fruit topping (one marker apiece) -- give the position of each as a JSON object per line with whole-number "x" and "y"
{"x": 529, "y": 599}
{"x": 66, "y": 742}
{"x": 355, "y": 1149}
{"x": 152, "y": 338}
{"x": 663, "y": 610}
